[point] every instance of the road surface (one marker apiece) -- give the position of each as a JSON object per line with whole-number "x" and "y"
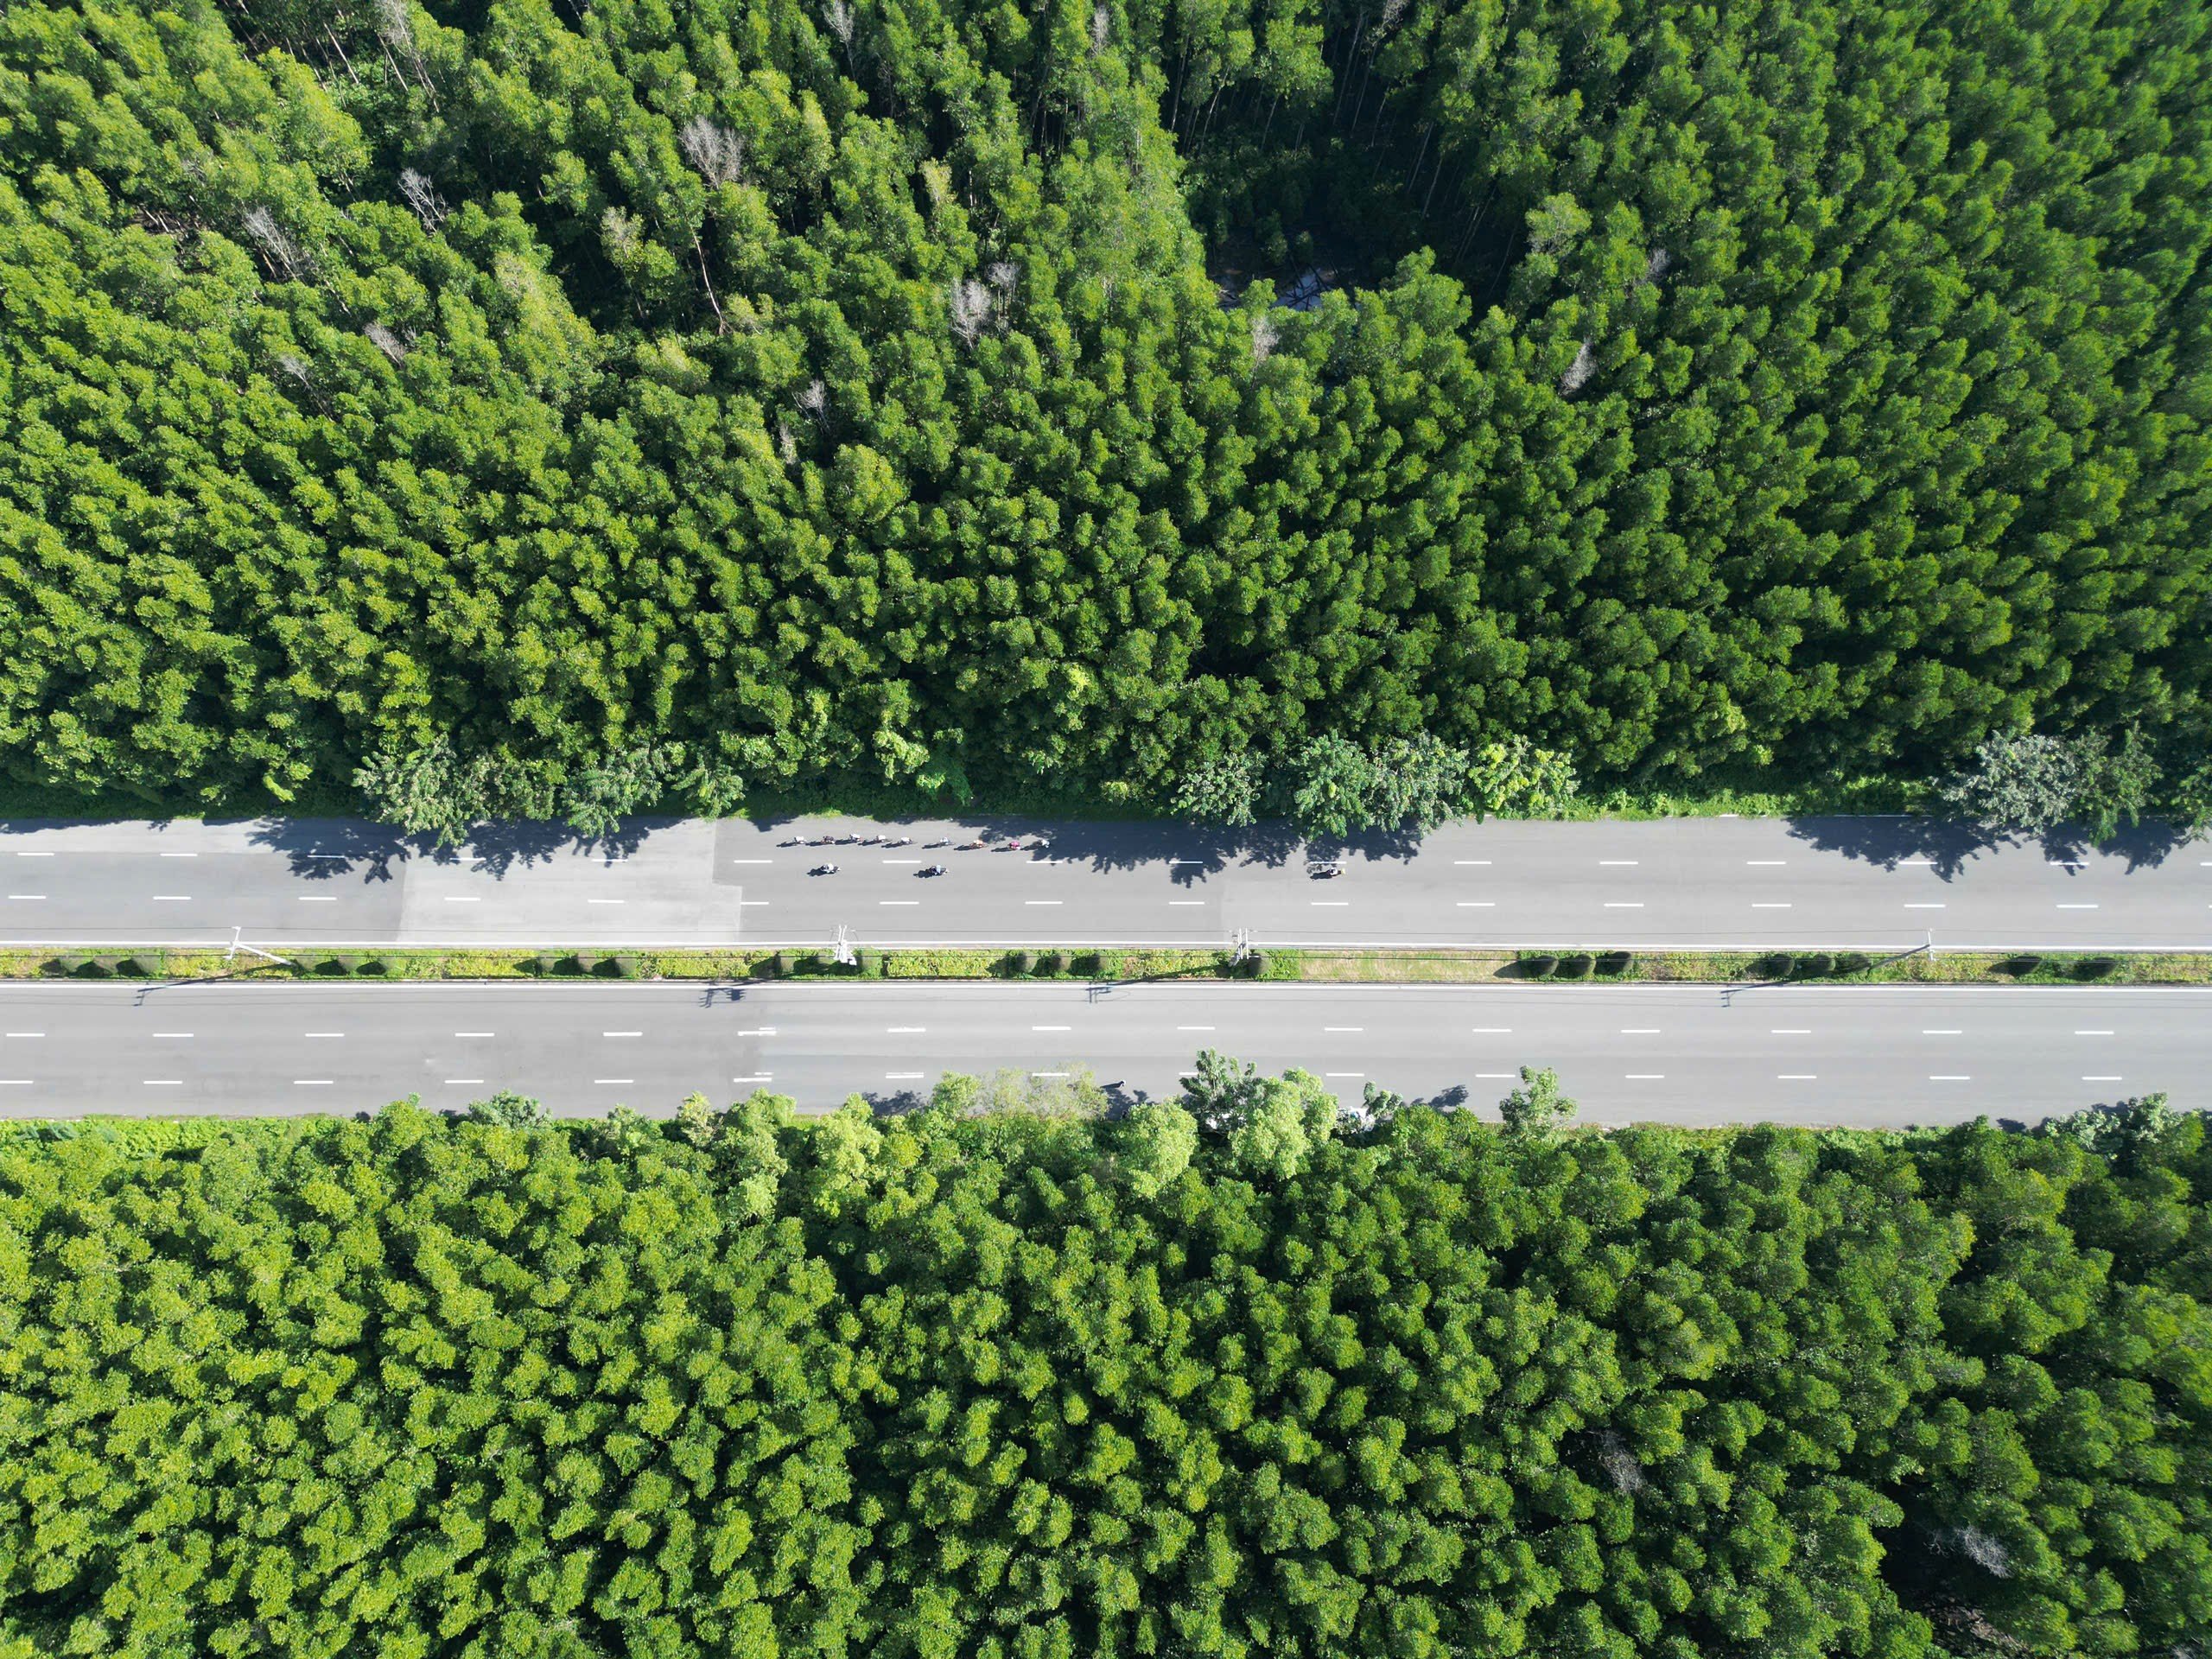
{"x": 1805, "y": 1054}
{"x": 1871, "y": 884}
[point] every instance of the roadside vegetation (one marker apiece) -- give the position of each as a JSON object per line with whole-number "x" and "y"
{"x": 1225, "y": 1375}
{"x": 531, "y": 409}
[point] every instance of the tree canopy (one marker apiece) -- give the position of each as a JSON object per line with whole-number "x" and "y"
{"x": 548, "y": 408}
{"x": 1234, "y": 1376}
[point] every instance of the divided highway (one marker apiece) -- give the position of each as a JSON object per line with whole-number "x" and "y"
{"x": 1874, "y": 1056}
{"x": 1859, "y": 883}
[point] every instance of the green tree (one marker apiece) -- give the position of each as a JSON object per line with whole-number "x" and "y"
{"x": 1227, "y": 789}
{"x": 1536, "y": 1109}
{"x": 1154, "y": 1144}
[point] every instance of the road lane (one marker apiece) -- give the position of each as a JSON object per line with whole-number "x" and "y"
{"x": 1870, "y": 884}
{"x": 1887, "y": 1055}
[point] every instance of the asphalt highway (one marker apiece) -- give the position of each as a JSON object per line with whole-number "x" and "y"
{"x": 1871, "y": 1056}
{"x": 1869, "y": 883}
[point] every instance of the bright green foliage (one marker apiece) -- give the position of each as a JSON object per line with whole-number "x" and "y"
{"x": 1155, "y": 1144}
{"x": 1513, "y": 775}
{"x": 963, "y": 1382}
{"x": 1229, "y": 790}
{"x": 1335, "y": 786}
{"x": 2033, "y": 782}
{"x": 491, "y": 399}
{"x": 1536, "y": 1108}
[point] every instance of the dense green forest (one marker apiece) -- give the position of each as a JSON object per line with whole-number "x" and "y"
{"x": 746, "y": 394}
{"x": 1212, "y": 1379}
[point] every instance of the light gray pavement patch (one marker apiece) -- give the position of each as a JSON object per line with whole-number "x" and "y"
{"x": 1854, "y": 1055}
{"x": 1870, "y": 884}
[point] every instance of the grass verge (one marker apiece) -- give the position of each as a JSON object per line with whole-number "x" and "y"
{"x": 1403, "y": 967}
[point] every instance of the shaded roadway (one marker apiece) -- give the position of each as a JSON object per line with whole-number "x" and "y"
{"x": 1867, "y": 883}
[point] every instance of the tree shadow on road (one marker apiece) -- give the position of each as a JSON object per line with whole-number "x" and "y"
{"x": 1188, "y": 850}
{"x": 322, "y": 850}
{"x": 1948, "y": 844}
{"x": 2145, "y": 845}
{"x": 498, "y": 848}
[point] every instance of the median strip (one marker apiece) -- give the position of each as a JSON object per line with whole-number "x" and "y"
{"x": 1372, "y": 964}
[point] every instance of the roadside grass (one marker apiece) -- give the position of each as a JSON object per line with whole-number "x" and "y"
{"x": 1747, "y": 794}
{"x": 1372, "y": 967}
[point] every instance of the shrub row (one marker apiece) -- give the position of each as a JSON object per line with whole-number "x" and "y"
{"x": 1810, "y": 964}
{"x": 579, "y": 966}
{"x": 1580, "y": 964}
{"x": 105, "y": 967}
{"x": 2080, "y": 968}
